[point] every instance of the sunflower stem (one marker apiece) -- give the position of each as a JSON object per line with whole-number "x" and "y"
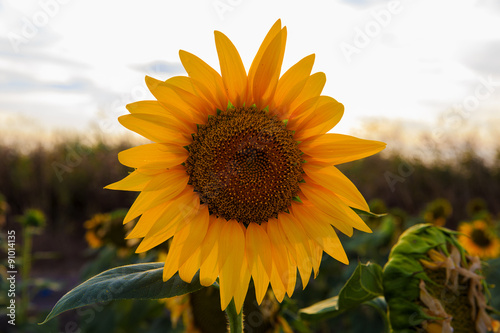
{"x": 234, "y": 318}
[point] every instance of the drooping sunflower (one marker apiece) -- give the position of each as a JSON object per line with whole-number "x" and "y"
{"x": 479, "y": 239}
{"x": 431, "y": 284}
{"x": 242, "y": 172}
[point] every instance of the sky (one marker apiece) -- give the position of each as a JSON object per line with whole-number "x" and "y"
{"x": 71, "y": 66}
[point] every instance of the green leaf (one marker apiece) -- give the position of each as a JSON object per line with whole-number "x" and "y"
{"x": 324, "y": 309}
{"x": 364, "y": 285}
{"x": 139, "y": 281}
{"x": 364, "y": 212}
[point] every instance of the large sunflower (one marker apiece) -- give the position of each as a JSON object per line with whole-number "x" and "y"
{"x": 241, "y": 172}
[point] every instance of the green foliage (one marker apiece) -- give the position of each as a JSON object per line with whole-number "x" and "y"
{"x": 364, "y": 285}
{"x": 140, "y": 281}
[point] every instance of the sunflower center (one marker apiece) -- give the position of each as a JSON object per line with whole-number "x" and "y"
{"x": 245, "y": 165}
{"x": 480, "y": 238}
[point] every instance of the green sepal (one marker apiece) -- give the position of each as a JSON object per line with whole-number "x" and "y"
{"x": 219, "y": 111}
{"x": 186, "y": 147}
{"x": 285, "y": 121}
{"x": 364, "y": 212}
{"x": 364, "y": 285}
{"x": 230, "y": 105}
{"x": 297, "y": 199}
{"x": 266, "y": 108}
{"x": 138, "y": 281}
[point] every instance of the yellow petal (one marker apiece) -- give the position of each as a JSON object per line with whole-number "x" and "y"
{"x": 340, "y": 222}
{"x": 209, "y": 252}
{"x": 177, "y": 215}
{"x": 338, "y": 148}
{"x": 147, "y": 220}
{"x": 190, "y": 267}
{"x": 331, "y": 178}
{"x": 273, "y": 32}
{"x": 258, "y": 248}
{"x": 149, "y": 199}
{"x": 317, "y": 255}
{"x": 205, "y": 78}
{"x": 332, "y": 205}
{"x": 291, "y": 84}
{"x": 198, "y": 106}
{"x": 136, "y": 181}
{"x": 197, "y": 229}
{"x": 182, "y": 83}
{"x": 172, "y": 264}
{"x": 234, "y": 247}
{"x": 211, "y": 239}
{"x": 156, "y": 109}
{"x": 325, "y": 116}
{"x": 277, "y": 284}
{"x": 185, "y": 243}
{"x": 155, "y": 156}
{"x": 209, "y": 270}
{"x": 321, "y": 232}
{"x": 170, "y": 100}
{"x": 297, "y": 238}
{"x": 242, "y": 288}
{"x": 233, "y": 72}
{"x": 268, "y": 70}
{"x": 279, "y": 250}
{"x": 292, "y": 275}
{"x": 313, "y": 88}
{"x": 176, "y": 175}
{"x": 154, "y": 128}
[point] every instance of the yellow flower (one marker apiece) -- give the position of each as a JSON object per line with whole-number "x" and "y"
{"x": 479, "y": 240}
{"x": 438, "y": 211}
{"x": 241, "y": 172}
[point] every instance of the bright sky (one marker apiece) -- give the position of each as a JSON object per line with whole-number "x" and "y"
{"x": 73, "y": 65}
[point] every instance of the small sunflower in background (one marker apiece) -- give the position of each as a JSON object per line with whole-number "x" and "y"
{"x": 108, "y": 229}
{"x": 479, "y": 239}
{"x": 438, "y": 211}
{"x": 241, "y": 174}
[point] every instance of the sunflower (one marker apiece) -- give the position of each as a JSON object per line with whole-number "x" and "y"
{"x": 241, "y": 173}
{"x": 479, "y": 240}
{"x": 431, "y": 284}
{"x": 438, "y": 211}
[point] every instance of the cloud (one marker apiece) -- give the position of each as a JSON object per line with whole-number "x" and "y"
{"x": 363, "y": 3}
{"x": 160, "y": 67}
{"x": 483, "y": 57}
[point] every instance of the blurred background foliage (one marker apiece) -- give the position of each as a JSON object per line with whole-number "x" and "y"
{"x": 54, "y": 199}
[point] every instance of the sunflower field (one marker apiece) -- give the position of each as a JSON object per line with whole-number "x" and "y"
{"x": 76, "y": 232}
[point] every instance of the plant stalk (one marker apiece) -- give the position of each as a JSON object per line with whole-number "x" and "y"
{"x": 234, "y": 318}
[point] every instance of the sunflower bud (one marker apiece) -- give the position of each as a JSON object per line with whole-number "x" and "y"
{"x": 432, "y": 284}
